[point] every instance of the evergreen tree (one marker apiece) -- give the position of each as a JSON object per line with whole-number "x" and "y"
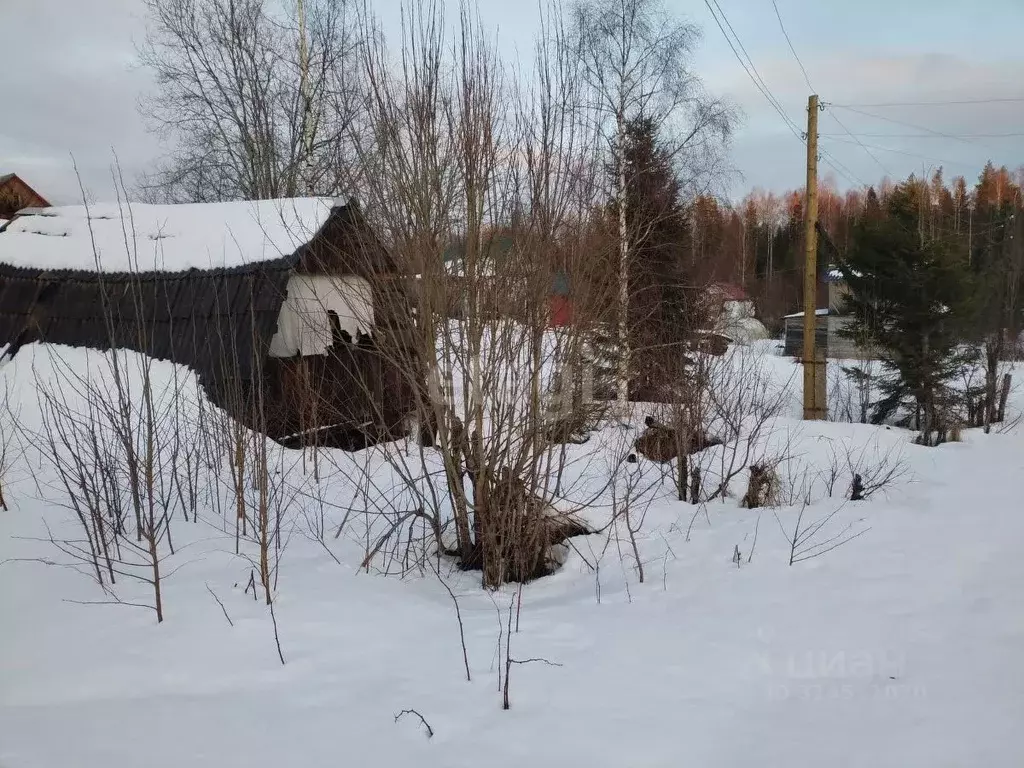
{"x": 998, "y": 276}
{"x": 663, "y": 307}
{"x": 909, "y": 295}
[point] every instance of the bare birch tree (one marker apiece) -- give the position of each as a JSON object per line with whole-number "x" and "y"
{"x": 636, "y": 60}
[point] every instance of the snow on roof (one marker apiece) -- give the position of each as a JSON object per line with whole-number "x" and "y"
{"x": 818, "y": 312}
{"x": 168, "y": 238}
{"x": 837, "y": 275}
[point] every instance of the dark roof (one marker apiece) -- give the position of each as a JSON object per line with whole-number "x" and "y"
{"x": 219, "y": 322}
{"x": 345, "y": 244}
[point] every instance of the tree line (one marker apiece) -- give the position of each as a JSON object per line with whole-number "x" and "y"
{"x": 935, "y": 275}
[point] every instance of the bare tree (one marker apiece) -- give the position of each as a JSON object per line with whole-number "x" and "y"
{"x": 483, "y": 188}
{"x": 255, "y": 100}
{"x": 108, "y": 433}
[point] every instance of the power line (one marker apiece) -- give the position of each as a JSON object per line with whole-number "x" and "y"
{"x": 933, "y": 103}
{"x": 932, "y": 135}
{"x": 846, "y": 173}
{"x": 751, "y": 70}
{"x": 796, "y": 56}
{"x": 906, "y": 124}
{"x": 755, "y": 74}
{"x": 861, "y": 143}
{"x": 878, "y": 148}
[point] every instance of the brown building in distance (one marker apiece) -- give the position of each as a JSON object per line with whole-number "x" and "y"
{"x": 15, "y": 194}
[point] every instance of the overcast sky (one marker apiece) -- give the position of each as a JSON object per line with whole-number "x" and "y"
{"x": 72, "y": 86}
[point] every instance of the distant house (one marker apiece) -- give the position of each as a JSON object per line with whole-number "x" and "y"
{"x": 278, "y": 306}
{"x": 725, "y": 292}
{"x": 829, "y": 335}
{"x": 832, "y": 323}
{"x": 16, "y": 195}
{"x": 733, "y": 315}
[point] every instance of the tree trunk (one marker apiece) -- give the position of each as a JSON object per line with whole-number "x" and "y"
{"x": 623, "y": 334}
{"x": 1003, "y": 396}
{"x": 991, "y": 372}
{"x": 926, "y": 409}
{"x": 682, "y": 473}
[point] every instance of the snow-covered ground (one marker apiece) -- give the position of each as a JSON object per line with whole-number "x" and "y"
{"x": 901, "y": 648}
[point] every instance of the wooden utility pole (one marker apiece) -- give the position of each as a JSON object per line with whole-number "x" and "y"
{"x": 813, "y": 358}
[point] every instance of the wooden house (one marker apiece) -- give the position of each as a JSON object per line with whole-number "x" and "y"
{"x": 291, "y": 312}
{"x": 15, "y": 195}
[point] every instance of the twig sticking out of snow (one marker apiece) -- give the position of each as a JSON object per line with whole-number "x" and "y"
{"x": 404, "y": 712}
{"x": 221, "y": 604}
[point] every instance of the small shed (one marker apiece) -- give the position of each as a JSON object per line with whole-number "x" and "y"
{"x": 281, "y": 307}
{"x": 828, "y": 335}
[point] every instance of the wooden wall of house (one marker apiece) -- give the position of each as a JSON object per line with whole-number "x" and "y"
{"x": 349, "y": 397}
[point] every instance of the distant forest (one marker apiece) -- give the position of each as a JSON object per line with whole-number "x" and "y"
{"x": 759, "y": 243}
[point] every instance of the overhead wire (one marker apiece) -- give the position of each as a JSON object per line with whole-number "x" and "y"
{"x": 877, "y": 148}
{"x": 863, "y": 146}
{"x": 934, "y": 136}
{"x": 750, "y": 60}
{"x": 907, "y": 125}
{"x": 887, "y": 104}
{"x": 796, "y": 56}
{"x": 833, "y": 162}
{"x": 750, "y": 68}
{"x": 826, "y": 157}
{"x": 746, "y": 61}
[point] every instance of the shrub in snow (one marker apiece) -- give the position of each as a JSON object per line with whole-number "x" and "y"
{"x": 763, "y": 487}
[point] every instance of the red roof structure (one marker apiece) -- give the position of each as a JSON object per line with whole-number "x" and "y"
{"x": 15, "y": 194}
{"x": 728, "y": 291}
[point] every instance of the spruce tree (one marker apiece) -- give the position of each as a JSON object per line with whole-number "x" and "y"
{"x": 909, "y": 294}
{"x": 663, "y": 307}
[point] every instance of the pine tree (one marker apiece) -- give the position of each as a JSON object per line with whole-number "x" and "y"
{"x": 908, "y": 295}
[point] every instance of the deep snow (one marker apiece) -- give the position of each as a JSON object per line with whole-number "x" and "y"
{"x": 901, "y": 648}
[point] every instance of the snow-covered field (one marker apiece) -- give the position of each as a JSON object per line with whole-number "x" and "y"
{"x": 900, "y": 648}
